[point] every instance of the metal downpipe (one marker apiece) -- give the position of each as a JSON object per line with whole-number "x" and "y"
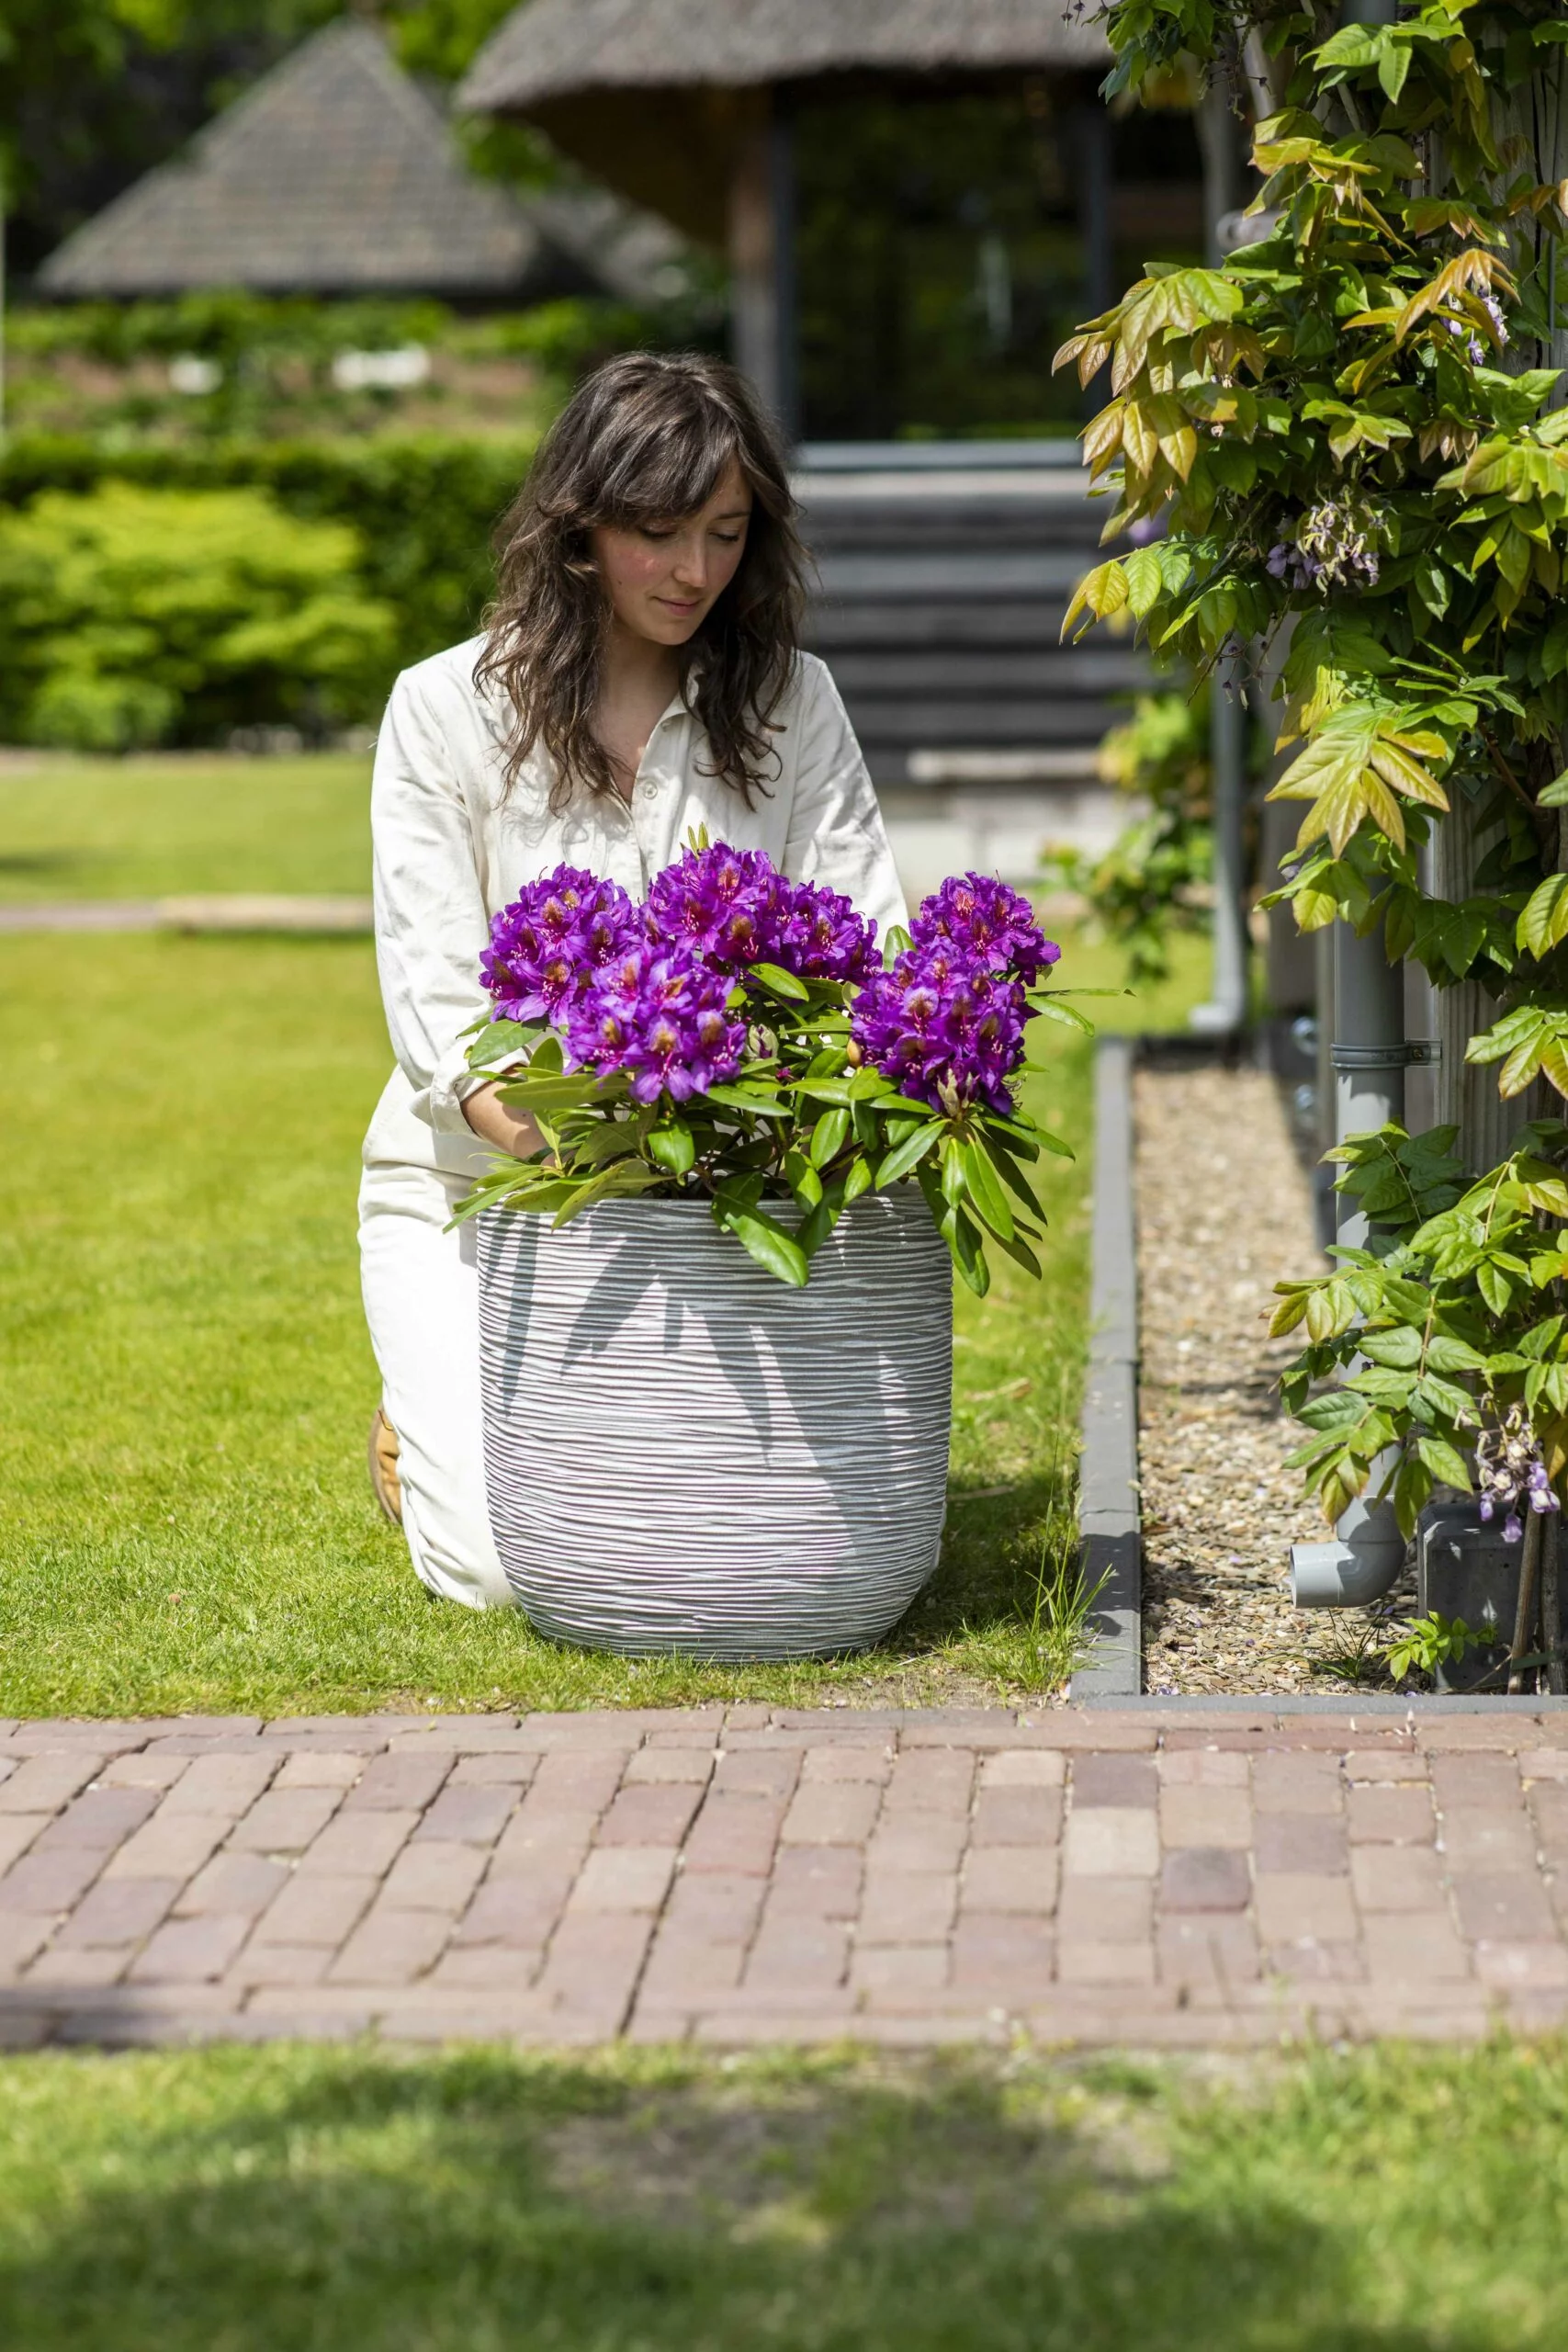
{"x": 1225, "y": 1013}
{"x": 1369, "y": 1058}
{"x": 1226, "y": 1010}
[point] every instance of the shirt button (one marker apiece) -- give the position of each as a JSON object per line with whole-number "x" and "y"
{"x": 650, "y": 792}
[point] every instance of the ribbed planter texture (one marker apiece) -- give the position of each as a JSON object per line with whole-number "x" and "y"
{"x": 684, "y": 1454}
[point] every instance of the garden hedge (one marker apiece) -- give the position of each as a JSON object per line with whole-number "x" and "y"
{"x": 130, "y": 617}
{"x": 424, "y": 506}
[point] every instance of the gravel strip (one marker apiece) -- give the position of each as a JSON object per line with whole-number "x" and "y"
{"x": 1224, "y": 1212}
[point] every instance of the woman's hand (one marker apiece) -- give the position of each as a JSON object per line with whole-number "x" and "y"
{"x": 500, "y": 1122}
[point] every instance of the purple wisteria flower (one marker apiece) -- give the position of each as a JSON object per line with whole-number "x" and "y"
{"x": 945, "y": 1026}
{"x": 1333, "y": 545}
{"x": 661, "y": 1015}
{"x": 1476, "y": 349}
{"x": 988, "y": 923}
{"x": 1511, "y": 1474}
{"x": 546, "y": 948}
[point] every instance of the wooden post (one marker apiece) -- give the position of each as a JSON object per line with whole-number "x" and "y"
{"x": 761, "y": 258}
{"x": 1092, "y": 126}
{"x": 1466, "y": 1092}
{"x": 1535, "y": 120}
{"x": 787, "y": 307}
{"x": 1219, "y": 144}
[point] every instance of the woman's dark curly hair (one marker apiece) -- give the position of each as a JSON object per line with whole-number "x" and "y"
{"x": 644, "y": 440}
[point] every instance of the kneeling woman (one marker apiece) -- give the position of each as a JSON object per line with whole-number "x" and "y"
{"x": 641, "y": 674}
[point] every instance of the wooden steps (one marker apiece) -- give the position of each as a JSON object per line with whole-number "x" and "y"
{"x": 944, "y": 571}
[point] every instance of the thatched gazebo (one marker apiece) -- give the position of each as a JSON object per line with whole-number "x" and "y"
{"x": 335, "y": 174}
{"x": 684, "y": 106}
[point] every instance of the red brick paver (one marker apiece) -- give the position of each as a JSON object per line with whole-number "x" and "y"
{"x": 749, "y": 1875}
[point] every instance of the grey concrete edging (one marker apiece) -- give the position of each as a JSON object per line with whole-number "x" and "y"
{"x": 1347, "y": 1704}
{"x": 1107, "y": 1489}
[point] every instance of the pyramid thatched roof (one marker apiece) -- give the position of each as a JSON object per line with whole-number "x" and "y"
{"x": 653, "y": 96}
{"x": 334, "y": 175}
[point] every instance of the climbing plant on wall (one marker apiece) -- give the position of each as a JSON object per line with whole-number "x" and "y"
{"x": 1353, "y": 438}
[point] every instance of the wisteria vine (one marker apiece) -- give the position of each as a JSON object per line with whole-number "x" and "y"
{"x": 1349, "y": 444}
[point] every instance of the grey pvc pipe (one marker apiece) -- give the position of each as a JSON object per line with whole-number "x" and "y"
{"x": 1356, "y": 1566}
{"x": 1367, "y": 1551}
{"x": 1367, "y": 1052}
{"x": 1227, "y": 1007}
{"x": 1226, "y": 1013}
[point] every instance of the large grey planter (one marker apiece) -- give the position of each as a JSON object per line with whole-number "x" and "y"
{"x": 684, "y": 1454}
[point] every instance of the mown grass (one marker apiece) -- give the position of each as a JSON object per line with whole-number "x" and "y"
{"x": 185, "y": 1379}
{"x": 160, "y": 827}
{"x": 301, "y": 2201}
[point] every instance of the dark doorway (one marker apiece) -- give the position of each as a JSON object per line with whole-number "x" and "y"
{"x": 949, "y": 241}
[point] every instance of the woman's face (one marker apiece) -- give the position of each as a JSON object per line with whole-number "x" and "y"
{"x": 663, "y": 579}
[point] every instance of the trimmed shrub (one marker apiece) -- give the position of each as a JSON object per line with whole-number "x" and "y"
{"x": 422, "y": 511}
{"x": 132, "y": 616}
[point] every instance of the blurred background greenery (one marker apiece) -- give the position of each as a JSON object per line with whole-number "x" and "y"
{"x": 94, "y": 93}
{"x": 946, "y": 240}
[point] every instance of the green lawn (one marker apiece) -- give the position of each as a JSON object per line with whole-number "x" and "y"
{"x": 185, "y": 1380}
{"x": 308, "y": 2201}
{"x": 157, "y": 827}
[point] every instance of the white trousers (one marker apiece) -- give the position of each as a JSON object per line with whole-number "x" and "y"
{"x": 421, "y": 1302}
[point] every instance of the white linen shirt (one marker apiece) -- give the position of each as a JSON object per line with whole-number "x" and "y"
{"x": 452, "y": 847}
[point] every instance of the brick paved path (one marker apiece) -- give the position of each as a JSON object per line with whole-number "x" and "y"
{"x": 1097, "y": 1876}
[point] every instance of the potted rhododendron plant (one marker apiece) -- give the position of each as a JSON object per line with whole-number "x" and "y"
{"x": 682, "y": 1451}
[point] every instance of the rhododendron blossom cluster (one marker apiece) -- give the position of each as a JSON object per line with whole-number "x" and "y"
{"x": 644, "y": 990}
{"x": 552, "y": 942}
{"x": 947, "y": 1020}
{"x": 987, "y": 922}
{"x": 739, "y": 1035}
{"x": 735, "y": 909}
{"x": 661, "y": 1015}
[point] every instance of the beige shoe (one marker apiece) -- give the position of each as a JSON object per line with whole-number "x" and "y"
{"x": 385, "y": 1484}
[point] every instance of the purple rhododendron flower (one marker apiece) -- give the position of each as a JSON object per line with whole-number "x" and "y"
{"x": 987, "y": 921}
{"x": 646, "y": 991}
{"x": 661, "y": 1015}
{"x": 546, "y": 948}
{"x": 733, "y": 907}
{"x": 730, "y": 906}
{"x": 823, "y": 938}
{"x": 943, "y": 1023}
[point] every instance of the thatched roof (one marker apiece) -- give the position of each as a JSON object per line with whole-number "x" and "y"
{"x": 655, "y": 95}
{"x": 553, "y": 49}
{"x": 334, "y": 175}
{"x": 612, "y": 247}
